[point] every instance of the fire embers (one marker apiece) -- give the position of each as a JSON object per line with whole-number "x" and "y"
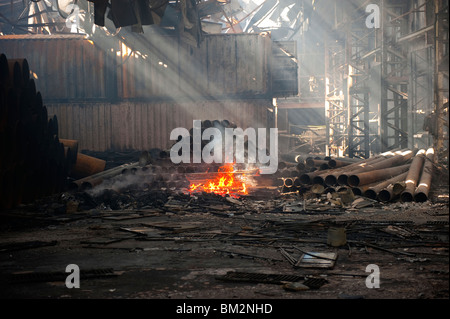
{"x": 227, "y": 181}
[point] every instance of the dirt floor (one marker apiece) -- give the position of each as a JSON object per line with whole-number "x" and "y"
{"x": 183, "y": 253}
{"x": 166, "y": 245}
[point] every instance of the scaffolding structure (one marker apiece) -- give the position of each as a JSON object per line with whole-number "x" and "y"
{"x": 394, "y": 76}
{"x": 441, "y": 76}
{"x": 383, "y": 81}
{"x": 347, "y": 96}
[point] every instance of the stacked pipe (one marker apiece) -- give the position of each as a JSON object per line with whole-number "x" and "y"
{"x": 317, "y": 176}
{"x": 33, "y": 161}
{"x": 403, "y": 174}
{"x": 147, "y": 172}
{"x": 304, "y": 166}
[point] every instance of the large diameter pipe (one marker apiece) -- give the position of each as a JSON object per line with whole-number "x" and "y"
{"x": 373, "y": 192}
{"x": 73, "y": 146}
{"x": 307, "y": 178}
{"x": 4, "y": 70}
{"x": 377, "y": 175}
{"x": 19, "y": 72}
{"x": 87, "y": 165}
{"x": 288, "y": 182}
{"x": 387, "y": 194}
{"x": 413, "y": 177}
{"x": 399, "y": 187}
{"x": 335, "y": 163}
{"x": 320, "y": 177}
{"x": 96, "y": 179}
{"x": 360, "y": 190}
{"x": 396, "y": 160}
{"x": 311, "y": 162}
{"x": 421, "y": 192}
{"x": 340, "y": 177}
{"x": 332, "y": 178}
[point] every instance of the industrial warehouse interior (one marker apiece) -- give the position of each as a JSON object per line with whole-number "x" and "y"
{"x": 244, "y": 152}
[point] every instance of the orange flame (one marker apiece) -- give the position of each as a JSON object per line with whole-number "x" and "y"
{"x": 225, "y": 183}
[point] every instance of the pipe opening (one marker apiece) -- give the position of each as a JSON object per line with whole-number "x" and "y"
{"x": 406, "y": 197}
{"x": 384, "y": 196}
{"x": 370, "y": 193}
{"x": 353, "y": 180}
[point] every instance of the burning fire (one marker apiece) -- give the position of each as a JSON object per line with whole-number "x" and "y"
{"x": 224, "y": 183}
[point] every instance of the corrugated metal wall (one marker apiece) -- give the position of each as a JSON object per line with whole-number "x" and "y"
{"x": 109, "y": 97}
{"x": 145, "y": 125}
{"x": 225, "y": 65}
{"x": 65, "y": 67}
{"x": 70, "y": 67}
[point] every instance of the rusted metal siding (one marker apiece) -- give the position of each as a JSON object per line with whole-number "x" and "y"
{"x": 225, "y": 65}
{"x": 64, "y": 67}
{"x": 144, "y": 125}
{"x": 74, "y": 68}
